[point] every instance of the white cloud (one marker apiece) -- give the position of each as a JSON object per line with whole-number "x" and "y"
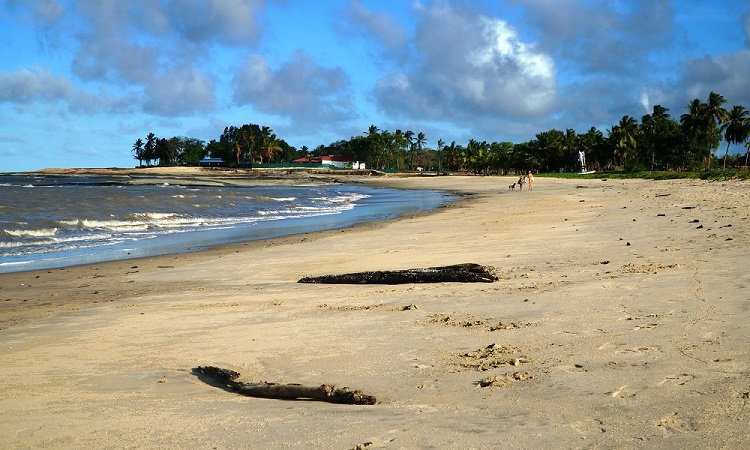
{"x": 34, "y": 84}
{"x": 382, "y": 27}
{"x": 230, "y": 22}
{"x": 610, "y": 38}
{"x": 725, "y": 74}
{"x": 310, "y": 94}
{"x": 183, "y": 91}
{"x": 155, "y": 54}
{"x": 468, "y": 65}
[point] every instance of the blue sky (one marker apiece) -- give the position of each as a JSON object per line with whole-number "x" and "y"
{"x": 81, "y": 80}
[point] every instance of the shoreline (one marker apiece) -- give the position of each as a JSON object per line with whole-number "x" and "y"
{"x": 240, "y": 223}
{"x": 78, "y": 280}
{"x": 619, "y": 321}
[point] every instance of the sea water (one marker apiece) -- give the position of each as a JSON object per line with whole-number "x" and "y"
{"x": 49, "y": 222}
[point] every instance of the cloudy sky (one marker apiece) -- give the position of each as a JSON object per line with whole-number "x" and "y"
{"x": 81, "y": 80}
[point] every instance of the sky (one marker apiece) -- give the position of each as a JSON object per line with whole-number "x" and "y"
{"x": 81, "y": 80}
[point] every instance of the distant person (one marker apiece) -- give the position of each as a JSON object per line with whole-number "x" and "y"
{"x": 521, "y": 182}
{"x": 530, "y": 177}
{"x": 582, "y": 160}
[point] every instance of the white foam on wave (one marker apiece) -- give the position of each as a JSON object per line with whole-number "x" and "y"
{"x": 52, "y": 244}
{"x": 83, "y": 233}
{"x": 348, "y": 198}
{"x": 22, "y": 233}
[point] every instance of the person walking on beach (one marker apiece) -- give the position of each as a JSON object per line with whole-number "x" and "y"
{"x": 530, "y": 177}
{"x": 521, "y": 182}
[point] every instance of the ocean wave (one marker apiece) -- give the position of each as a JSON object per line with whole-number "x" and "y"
{"x": 23, "y": 233}
{"x": 95, "y": 223}
{"x": 348, "y": 198}
{"x": 51, "y": 245}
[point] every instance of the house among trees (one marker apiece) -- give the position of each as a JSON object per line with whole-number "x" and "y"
{"x": 212, "y": 162}
{"x": 337, "y": 161}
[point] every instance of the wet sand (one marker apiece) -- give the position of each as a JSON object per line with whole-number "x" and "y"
{"x": 619, "y": 321}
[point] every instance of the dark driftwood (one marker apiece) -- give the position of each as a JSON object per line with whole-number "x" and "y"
{"x": 459, "y": 273}
{"x": 325, "y": 392}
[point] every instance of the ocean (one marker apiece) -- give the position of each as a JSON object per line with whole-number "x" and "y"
{"x": 50, "y": 222}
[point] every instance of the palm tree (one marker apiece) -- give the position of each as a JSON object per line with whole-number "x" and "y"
{"x": 572, "y": 143}
{"x": 392, "y": 152}
{"x": 240, "y": 136}
{"x": 409, "y": 137}
{"x": 594, "y": 146}
{"x": 399, "y": 141}
{"x": 375, "y": 147}
{"x": 149, "y": 150}
{"x": 653, "y": 129}
{"x": 717, "y": 117}
{"x": 451, "y": 156}
{"x": 138, "y": 150}
{"x": 715, "y": 109}
{"x": 440, "y": 145}
{"x": 694, "y": 127}
{"x": 549, "y": 150}
{"x": 736, "y": 128}
{"x": 303, "y": 152}
{"x": 419, "y": 143}
{"x": 269, "y": 144}
{"x": 625, "y": 134}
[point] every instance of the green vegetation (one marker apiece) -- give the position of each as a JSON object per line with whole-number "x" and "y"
{"x": 712, "y": 175}
{"x": 243, "y": 146}
{"x": 657, "y": 147}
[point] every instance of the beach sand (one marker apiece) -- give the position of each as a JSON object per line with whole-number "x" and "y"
{"x": 620, "y": 320}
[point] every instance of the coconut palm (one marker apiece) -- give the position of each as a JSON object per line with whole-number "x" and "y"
{"x": 409, "y": 140}
{"x": 375, "y": 150}
{"x": 138, "y": 150}
{"x": 715, "y": 108}
{"x": 269, "y": 144}
{"x": 452, "y": 157}
{"x": 548, "y": 147}
{"x": 653, "y": 128}
{"x": 595, "y": 148}
{"x": 696, "y": 124}
{"x": 149, "y": 149}
{"x": 625, "y": 135}
{"x": 399, "y": 141}
{"x": 718, "y": 116}
{"x": 440, "y": 145}
{"x": 736, "y": 128}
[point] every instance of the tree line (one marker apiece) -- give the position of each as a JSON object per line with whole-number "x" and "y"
{"x": 238, "y": 146}
{"x": 656, "y": 142}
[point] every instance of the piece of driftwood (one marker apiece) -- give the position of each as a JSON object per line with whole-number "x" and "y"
{"x": 325, "y": 392}
{"x": 458, "y": 273}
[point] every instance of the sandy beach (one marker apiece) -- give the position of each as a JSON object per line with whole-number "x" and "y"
{"x": 620, "y": 320}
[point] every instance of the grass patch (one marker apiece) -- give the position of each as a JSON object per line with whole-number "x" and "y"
{"x": 710, "y": 175}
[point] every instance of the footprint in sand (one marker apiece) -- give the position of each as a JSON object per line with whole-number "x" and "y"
{"x": 675, "y": 424}
{"x": 679, "y": 379}
{"x": 622, "y": 392}
{"x": 638, "y": 350}
{"x": 574, "y": 368}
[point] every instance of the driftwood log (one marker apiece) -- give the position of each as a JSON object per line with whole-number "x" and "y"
{"x": 458, "y": 273}
{"x": 326, "y": 393}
